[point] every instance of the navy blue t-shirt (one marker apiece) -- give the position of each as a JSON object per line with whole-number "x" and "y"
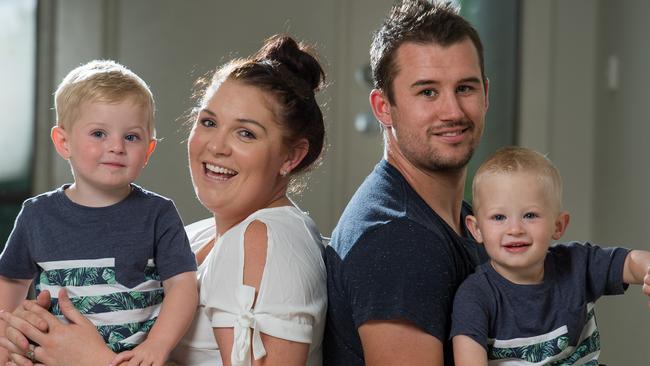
{"x": 111, "y": 259}
{"x": 392, "y": 257}
{"x": 551, "y": 322}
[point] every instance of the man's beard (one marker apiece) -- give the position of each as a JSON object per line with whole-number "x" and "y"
{"x": 429, "y": 158}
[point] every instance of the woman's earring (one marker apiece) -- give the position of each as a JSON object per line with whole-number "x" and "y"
{"x": 283, "y": 172}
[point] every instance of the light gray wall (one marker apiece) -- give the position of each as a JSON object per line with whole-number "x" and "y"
{"x": 623, "y": 174}
{"x": 557, "y": 111}
{"x": 596, "y": 136}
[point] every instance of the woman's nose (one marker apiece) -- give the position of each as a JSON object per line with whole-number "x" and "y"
{"x": 219, "y": 144}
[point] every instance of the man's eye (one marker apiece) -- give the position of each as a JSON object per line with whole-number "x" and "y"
{"x": 428, "y": 92}
{"x": 464, "y": 89}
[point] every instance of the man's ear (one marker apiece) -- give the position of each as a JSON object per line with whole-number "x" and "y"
{"x": 472, "y": 226}
{"x": 381, "y": 107}
{"x": 561, "y": 224}
{"x": 486, "y": 82}
{"x": 150, "y": 149}
{"x": 60, "y": 139}
{"x": 295, "y": 155}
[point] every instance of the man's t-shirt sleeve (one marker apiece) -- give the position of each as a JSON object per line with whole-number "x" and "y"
{"x": 400, "y": 270}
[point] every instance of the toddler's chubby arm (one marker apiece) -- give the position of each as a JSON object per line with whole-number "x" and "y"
{"x": 12, "y": 294}
{"x": 637, "y": 270}
{"x": 176, "y": 314}
{"x": 467, "y": 352}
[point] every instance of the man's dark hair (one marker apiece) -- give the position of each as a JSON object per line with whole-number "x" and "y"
{"x": 421, "y": 22}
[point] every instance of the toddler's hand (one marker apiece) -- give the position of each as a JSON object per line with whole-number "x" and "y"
{"x": 145, "y": 354}
{"x": 646, "y": 284}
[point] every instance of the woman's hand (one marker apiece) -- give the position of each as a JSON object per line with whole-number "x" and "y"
{"x": 20, "y": 344}
{"x": 77, "y": 343}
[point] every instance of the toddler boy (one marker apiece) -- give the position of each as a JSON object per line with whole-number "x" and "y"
{"x": 109, "y": 242}
{"x": 532, "y": 303}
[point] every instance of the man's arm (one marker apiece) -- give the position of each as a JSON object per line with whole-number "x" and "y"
{"x": 402, "y": 301}
{"x": 637, "y": 270}
{"x": 399, "y": 342}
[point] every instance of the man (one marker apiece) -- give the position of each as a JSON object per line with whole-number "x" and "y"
{"x": 401, "y": 249}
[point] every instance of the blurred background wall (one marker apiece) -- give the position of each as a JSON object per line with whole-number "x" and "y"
{"x": 568, "y": 78}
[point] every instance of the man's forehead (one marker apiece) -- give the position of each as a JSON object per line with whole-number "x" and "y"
{"x": 421, "y": 60}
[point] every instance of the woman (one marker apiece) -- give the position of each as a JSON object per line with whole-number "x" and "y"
{"x": 261, "y": 273}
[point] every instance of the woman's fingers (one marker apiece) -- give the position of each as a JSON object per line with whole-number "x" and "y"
{"x": 43, "y": 314}
{"x": 68, "y": 310}
{"x": 44, "y": 299}
{"x": 21, "y": 326}
{"x": 11, "y": 347}
{"x": 17, "y": 340}
{"x": 20, "y": 360}
{"x": 30, "y": 317}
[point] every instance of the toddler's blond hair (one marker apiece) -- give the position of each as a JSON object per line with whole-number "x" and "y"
{"x": 103, "y": 81}
{"x": 515, "y": 159}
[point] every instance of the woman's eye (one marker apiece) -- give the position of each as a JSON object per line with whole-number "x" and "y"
{"x": 132, "y": 137}
{"x": 428, "y": 92}
{"x": 247, "y": 134}
{"x": 207, "y": 123}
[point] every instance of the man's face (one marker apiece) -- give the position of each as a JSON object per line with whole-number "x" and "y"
{"x": 440, "y": 100}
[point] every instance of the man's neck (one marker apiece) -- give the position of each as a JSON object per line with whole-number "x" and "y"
{"x": 441, "y": 190}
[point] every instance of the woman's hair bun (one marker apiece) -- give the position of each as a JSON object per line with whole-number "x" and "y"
{"x": 296, "y": 57}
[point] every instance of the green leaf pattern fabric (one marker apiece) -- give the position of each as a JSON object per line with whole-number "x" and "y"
{"x": 550, "y": 349}
{"x": 113, "y": 298}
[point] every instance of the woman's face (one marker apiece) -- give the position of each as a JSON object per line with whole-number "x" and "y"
{"x": 236, "y": 152}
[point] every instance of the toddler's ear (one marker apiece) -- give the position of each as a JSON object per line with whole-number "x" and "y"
{"x": 472, "y": 225}
{"x": 60, "y": 139}
{"x": 561, "y": 224}
{"x": 150, "y": 149}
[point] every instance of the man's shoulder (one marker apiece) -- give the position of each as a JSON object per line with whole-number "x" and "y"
{"x": 381, "y": 194}
{"x": 376, "y": 202}
{"x": 387, "y": 237}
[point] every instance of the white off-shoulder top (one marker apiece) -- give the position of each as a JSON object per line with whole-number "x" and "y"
{"x": 292, "y": 297}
